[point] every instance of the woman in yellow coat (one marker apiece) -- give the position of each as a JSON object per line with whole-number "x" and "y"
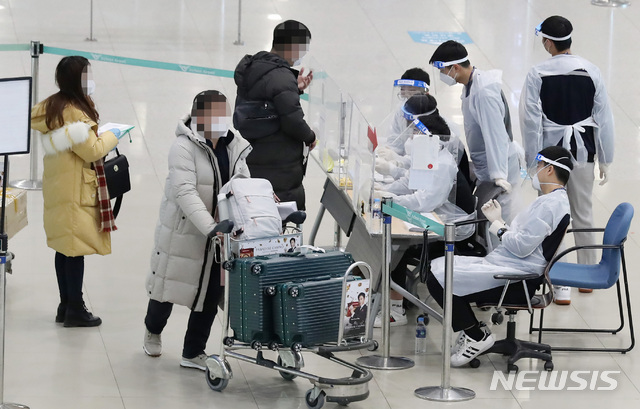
{"x": 77, "y": 212}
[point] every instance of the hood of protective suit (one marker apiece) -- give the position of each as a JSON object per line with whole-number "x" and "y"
{"x": 253, "y": 67}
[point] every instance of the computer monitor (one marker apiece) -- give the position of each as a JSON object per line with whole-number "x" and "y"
{"x": 15, "y": 115}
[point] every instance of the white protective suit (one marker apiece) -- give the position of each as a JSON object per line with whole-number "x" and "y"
{"x": 539, "y": 132}
{"x": 441, "y": 183}
{"x": 493, "y": 153}
{"x": 519, "y": 252}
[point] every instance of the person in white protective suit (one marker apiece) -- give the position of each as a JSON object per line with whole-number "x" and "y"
{"x": 414, "y": 81}
{"x": 440, "y": 184}
{"x": 487, "y": 123}
{"x": 527, "y": 244}
{"x": 564, "y": 102}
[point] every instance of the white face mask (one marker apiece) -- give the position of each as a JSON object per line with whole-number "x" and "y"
{"x": 91, "y": 87}
{"x": 447, "y": 79}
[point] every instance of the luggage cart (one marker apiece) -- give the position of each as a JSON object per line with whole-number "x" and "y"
{"x": 290, "y": 361}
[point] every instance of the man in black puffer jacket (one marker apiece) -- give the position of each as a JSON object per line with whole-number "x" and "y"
{"x": 268, "y": 77}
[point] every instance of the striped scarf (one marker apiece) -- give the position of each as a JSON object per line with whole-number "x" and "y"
{"x": 107, "y": 221}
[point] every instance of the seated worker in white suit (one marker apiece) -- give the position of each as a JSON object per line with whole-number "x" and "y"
{"x": 435, "y": 198}
{"x": 521, "y": 251}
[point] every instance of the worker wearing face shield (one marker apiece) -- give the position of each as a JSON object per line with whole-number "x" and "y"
{"x": 444, "y": 189}
{"x": 487, "y": 123}
{"x": 564, "y": 102}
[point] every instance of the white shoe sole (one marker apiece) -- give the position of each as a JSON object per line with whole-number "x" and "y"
{"x": 189, "y": 364}
{"x": 146, "y": 351}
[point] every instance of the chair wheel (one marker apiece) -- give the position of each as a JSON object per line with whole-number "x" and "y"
{"x": 497, "y": 318}
{"x": 425, "y": 318}
{"x": 375, "y": 346}
{"x": 512, "y": 368}
{"x": 548, "y": 366}
{"x": 228, "y": 341}
{"x": 475, "y": 363}
{"x": 257, "y": 345}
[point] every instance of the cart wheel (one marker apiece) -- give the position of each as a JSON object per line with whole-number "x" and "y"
{"x": 548, "y": 366}
{"x": 286, "y": 376}
{"x": 296, "y": 347}
{"x": 216, "y": 384}
{"x": 512, "y": 368}
{"x": 475, "y": 363}
{"x": 374, "y": 347}
{"x": 228, "y": 341}
{"x": 316, "y": 403}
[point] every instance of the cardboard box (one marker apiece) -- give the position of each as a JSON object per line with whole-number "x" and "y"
{"x": 263, "y": 247}
{"x": 16, "y": 211}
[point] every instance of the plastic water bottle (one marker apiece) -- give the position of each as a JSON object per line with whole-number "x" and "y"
{"x": 376, "y": 217}
{"x": 421, "y": 337}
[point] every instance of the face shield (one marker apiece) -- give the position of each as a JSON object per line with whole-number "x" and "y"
{"x": 535, "y": 167}
{"x": 444, "y": 76}
{"x": 540, "y": 33}
{"x": 405, "y": 89}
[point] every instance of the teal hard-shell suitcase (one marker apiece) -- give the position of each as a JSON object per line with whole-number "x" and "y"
{"x": 253, "y": 281}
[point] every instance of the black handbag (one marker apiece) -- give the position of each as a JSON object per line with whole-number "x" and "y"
{"x": 255, "y": 119}
{"x": 116, "y": 171}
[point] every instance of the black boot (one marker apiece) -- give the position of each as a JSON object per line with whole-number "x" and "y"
{"x": 78, "y": 316}
{"x": 62, "y": 312}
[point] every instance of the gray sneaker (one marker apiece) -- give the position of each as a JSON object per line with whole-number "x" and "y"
{"x": 199, "y": 362}
{"x": 152, "y": 344}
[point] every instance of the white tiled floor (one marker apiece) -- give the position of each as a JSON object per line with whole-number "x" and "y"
{"x": 363, "y": 45}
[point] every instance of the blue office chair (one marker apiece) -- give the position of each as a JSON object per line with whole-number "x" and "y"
{"x": 598, "y": 276}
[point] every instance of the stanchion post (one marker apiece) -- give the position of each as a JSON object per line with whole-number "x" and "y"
{"x": 33, "y": 183}
{"x": 91, "y": 38}
{"x": 444, "y": 392}
{"x": 239, "y": 40}
{"x": 5, "y": 257}
{"x": 386, "y": 361}
{"x": 611, "y": 3}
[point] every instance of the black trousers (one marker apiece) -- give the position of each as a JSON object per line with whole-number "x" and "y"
{"x": 462, "y": 313}
{"x": 70, "y": 274}
{"x": 199, "y": 326}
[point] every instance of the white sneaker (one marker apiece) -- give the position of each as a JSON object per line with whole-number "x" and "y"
{"x": 460, "y": 339}
{"x": 397, "y": 317}
{"x": 561, "y": 295}
{"x": 199, "y": 362}
{"x": 468, "y": 348}
{"x": 152, "y": 344}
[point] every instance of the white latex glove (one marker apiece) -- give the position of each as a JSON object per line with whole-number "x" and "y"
{"x": 387, "y": 154}
{"x": 385, "y": 167}
{"x": 492, "y": 211}
{"x": 506, "y": 186}
{"x": 604, "y": 173}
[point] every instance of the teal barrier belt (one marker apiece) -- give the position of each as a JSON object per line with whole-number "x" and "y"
{"x": 192, "y": 69}
{"x": 409, "y": 216}
{"x": 137, "y": 62}
{"x": 15, "y": 47}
